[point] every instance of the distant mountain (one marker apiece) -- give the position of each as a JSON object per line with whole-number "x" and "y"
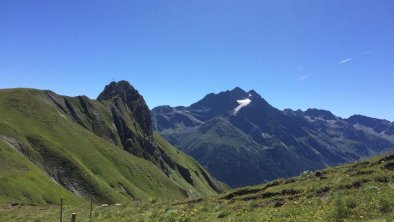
{"x": 54, "y": 146}
{"x": 242, "y": 140}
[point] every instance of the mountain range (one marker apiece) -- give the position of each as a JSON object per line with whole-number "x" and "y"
{"x": 104, "y": 150}
{"x": 242, "y": 140}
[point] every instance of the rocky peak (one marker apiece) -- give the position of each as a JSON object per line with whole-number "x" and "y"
{"x": 122, "y": 89}
{"x": 378, "y": 125}
{"x": 125, "y": 92}
{"x": 254, "y": 94}
{"x": 217, "y": 104}
{"x": 366, "y": 121}
{"x": 225, "y": 98}
{"x": 237, "y": 92}
{"x": 319, "y": 113}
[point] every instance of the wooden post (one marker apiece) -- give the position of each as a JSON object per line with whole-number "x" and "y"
{"x": 91, "y": 209}
{"x": 61, "y": 209}
{"x": 73, "y": 217}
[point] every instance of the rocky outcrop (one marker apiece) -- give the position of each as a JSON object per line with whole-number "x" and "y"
{"x": 123, "y": 92}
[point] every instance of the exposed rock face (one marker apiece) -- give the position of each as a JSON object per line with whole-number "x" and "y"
{"x": 82, "y": 110}
{"x": 134, "y": 102}
{"x": 132, "y": 120}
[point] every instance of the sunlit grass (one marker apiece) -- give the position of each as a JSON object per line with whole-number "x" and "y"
{"x": 354, "y": 192}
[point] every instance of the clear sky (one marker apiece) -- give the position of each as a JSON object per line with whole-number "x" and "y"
{"x": 336, "y": 55}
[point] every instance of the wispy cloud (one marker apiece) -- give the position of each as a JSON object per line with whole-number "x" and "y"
{"x": 302, "y": 78}
{"x": 346, "y": 60}
{"x": 355, "y": 57}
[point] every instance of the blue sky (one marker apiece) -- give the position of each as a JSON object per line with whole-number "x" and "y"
{"x": 336, "y": 55}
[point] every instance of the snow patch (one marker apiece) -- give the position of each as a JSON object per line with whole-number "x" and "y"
{"x": 242, "y": 103}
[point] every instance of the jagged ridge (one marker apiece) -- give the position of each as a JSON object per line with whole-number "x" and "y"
{"x": 258, "y": 142}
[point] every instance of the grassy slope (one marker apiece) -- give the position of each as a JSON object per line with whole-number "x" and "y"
{"x": 23, "y": 181}
{"x": 105, "y": 172}
{"x": 363, "y": 191}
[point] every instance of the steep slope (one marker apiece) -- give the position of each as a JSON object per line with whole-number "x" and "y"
{"x": 242, "y": 140}
{"x": 97, "y": 149}
{"x": 21, "y": 181}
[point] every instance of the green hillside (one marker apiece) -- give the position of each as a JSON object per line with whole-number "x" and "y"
{"x": 362, "y": 191}
{"x": 21, "y": 181}
{"x": 47, "y": 153}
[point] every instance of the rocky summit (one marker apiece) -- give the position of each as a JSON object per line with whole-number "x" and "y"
{"x": 124, "y": 92}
